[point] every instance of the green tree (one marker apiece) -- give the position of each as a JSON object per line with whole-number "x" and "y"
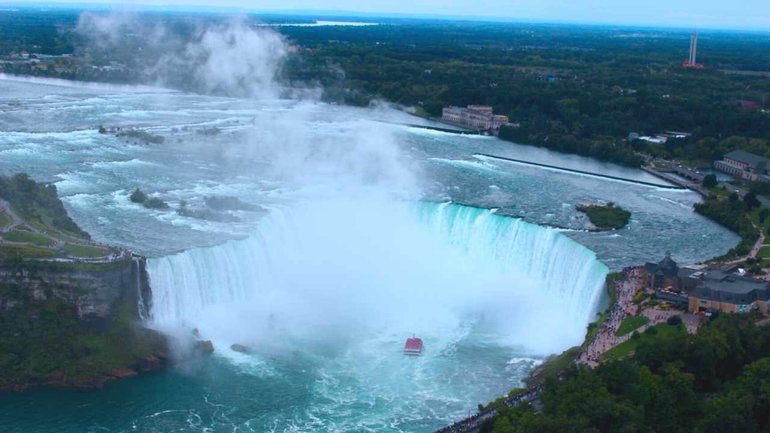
{"x": 751, "y": 200}
{"x": 763, "y": 214}
{"x": 755, "y": 385}
{"x": 710, "y": 181}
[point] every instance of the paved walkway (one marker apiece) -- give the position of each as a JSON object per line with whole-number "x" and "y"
{"x": 754, "y": 250}
{"x": 605, "y": 339}
{"x": 15, "y": 220}
{"x": 657, "y": 316}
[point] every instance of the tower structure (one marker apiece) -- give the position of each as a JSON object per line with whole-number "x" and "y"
{"x": 693, "y": 47}
{"x": 691, "y": 61}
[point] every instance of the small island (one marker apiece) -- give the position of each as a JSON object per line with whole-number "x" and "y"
{"x": 138, "y": 196}
{"x": 605, "y": 217}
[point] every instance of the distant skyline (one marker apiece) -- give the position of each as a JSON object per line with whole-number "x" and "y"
{"x": 738, "y": 14}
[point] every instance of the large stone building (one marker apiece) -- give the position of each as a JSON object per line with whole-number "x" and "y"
{"x": 729, "y": 292}
{"x": 479, "y": 117}
{"x": 663, "y": 274}
{"x": 745, "y": 165}
{"x": 707, "y": 289}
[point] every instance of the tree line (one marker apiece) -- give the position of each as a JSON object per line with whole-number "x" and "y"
{"x": 717, "y": 381}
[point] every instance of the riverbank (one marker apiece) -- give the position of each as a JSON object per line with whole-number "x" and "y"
{"x": 70, "y": 308}
{"x": 601, "y": 337}
{"x": 596, "y": 340}
{"x": 606, "y": 337}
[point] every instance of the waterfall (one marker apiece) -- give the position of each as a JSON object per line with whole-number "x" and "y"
{"x": 346, "y": 267}
{"x": 141, "y": 304}
{"x": 558, "y": 264}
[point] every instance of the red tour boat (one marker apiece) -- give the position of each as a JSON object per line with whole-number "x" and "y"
{"x": 413, "y": 346}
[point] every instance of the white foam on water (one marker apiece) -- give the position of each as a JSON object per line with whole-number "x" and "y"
{"x": 343, "y": 283}
{"x": 427, "y": 132}
{"x": 131, "y": 163}
{"x": 89, "y": 86}
{"x": 468, "y": 164}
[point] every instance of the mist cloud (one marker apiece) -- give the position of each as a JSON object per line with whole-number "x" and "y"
{"x": 226, "y": 57}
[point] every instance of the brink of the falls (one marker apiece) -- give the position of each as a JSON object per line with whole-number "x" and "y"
{"x": 327, "y": 275}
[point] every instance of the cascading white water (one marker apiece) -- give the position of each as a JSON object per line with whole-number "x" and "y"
{"x": 328, "y": 272}
{"x": 557, "y": 265}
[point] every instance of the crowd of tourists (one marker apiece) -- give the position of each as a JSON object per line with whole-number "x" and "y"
{"x": 605, "y": 338}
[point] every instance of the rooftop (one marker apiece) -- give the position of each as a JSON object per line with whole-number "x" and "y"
{"x": 751, "y": 159}
{"x": 725, "y": 286}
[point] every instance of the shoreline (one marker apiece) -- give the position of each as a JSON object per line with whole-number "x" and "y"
{"x": 605, "y": 338}
{"x": 596, "y": 342}
{"x": 582, "y": 172}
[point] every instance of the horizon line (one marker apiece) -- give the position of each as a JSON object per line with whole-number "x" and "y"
{"x": 99, "y": 5}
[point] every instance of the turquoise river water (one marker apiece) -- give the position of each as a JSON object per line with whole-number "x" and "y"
{"x": 367, "y": 231}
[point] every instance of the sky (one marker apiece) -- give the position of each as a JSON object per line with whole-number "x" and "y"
{"x": 733, "y": 14}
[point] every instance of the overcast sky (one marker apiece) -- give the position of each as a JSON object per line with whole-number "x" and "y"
{"x": 747, "y": 14}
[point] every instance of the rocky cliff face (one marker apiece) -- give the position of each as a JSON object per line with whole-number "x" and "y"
{"x": 75, "y": 323}
{"x": 95, "y": 291}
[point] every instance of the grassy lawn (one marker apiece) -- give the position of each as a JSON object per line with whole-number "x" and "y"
{"x": 630, "y": 324}
{"x": 64, "y": 236}
{"x": 764, "y": 253}
{"x": 4, "y": 219}
{"x": 25, "y": 251}
{"x": 554, "y": 366}
{"x": 755, "y": 219}
{"x": 627, "y": 348}
{"x": 719, "y": 192}
{"x": 27, "y": 237}
{"x": 84, "y": 251}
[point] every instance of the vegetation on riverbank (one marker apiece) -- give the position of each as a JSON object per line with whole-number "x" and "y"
{"x": 576, "y": 89}
{"x": 734, "y": 214}
{"x": 573, "y": 89}
{"x": 557, "y": 364}
{"x": 606, "y": 217}
{"x": 38, "y": 203}
{"x": 37, "y": 226}
{"x": 631, "y": 324}
{"x": 612, "y": 296}
{"x": 69, "y": 322}
{"x": 714, "y": 381}
{"x": 626, "y": 348}
{"x": 42, "y": 342}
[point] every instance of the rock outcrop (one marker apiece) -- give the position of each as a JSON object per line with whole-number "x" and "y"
{"x": 75, "y": 324}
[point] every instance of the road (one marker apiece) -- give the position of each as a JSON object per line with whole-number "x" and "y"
{"x": 15, "y": 220}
